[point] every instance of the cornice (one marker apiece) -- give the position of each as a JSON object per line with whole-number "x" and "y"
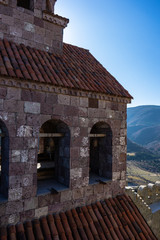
{"x": 56, "y": 19}
{"x": 9, "y": 82}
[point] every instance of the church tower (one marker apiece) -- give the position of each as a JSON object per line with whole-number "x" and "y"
{"x": 33, "y": 23}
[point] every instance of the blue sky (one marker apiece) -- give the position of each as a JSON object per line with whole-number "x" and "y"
{"x": 124, "y": 35}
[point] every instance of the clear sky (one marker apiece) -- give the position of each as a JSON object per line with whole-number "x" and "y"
{"x": 124, "y": 35}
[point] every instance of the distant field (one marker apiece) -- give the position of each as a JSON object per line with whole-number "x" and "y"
{"x": 143, "y": 172}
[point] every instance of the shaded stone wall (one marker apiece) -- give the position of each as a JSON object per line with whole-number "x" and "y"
{"x": 24, "y": 110}
{"x": 143, "y": 196}
{"x": 35, "y": 28}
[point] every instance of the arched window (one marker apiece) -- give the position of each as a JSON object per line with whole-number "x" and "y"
{"x": 53, "y": 164}
{"x": 28, "y": 4}
{"x": 4, "y": 160}
{"x": 100, "y": 153}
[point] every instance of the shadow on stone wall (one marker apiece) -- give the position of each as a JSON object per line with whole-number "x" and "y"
{"x": 147, "y": 199}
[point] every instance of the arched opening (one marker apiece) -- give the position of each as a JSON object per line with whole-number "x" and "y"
{"x": 4, "y": 161}
{"x": 53, "y": 165}
{"x": 28, "y": 4}
{"x": 100, "y": 153}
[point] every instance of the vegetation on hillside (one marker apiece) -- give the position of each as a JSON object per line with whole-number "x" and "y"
{"x": 143, "y": 124}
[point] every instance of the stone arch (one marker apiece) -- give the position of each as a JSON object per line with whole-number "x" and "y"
{"x": 4, "y": 159}
{"x": 100, "y": 152}
{"x": 54, "y": 152}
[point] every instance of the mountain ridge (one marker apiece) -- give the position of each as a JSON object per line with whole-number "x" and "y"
{"x": 143, "y": 126}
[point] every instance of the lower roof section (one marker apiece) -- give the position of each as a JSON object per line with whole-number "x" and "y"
{"x": 114, "y": 219}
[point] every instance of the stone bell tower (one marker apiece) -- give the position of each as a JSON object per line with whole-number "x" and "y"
{"x": 33, "y": 23}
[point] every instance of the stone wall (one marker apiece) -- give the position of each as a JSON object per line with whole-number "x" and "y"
{"x": 23, "y": 109}
{"x": 143, "y": 196}
{"x": 35, "y": 28}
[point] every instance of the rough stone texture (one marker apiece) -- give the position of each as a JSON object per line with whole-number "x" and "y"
{"x": 79, "y": 114}
{"x": 31, "y": 203}
{"x": 32, "y": 27}
{"x": 143, "y": 196}
{"x": 41, "y": 212}
{"x": 15, "y": 194}
{"x": 32, "y": 107}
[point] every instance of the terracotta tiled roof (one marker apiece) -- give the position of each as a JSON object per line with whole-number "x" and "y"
{"x": 114, "y": 219}
{"x": 76, "y": 68}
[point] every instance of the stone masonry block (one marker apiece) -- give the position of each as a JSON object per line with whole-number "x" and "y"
{"x": 32, "y": 107}
{"x": 88, "y": 191}
{"x": 74, "y": 101}
{"x": 24, "y": 131}
{"x": 31, "y": 203}
{"x": 71, "y": 111}
{"x": 47, "y": 200}
{"x": 29, "y": 215}
{"x": 3, "y": 209}
{"x": 32, "y": 143}
{"x": 92, "y": 113}
{"x": 83, "y": 122}
{"x": 14, "y": 207}
{"x": 15, "y": 181}
{"x": 13, "y": 93}
{"x": 33, "y": 119}
{"x": 64, "y": 99}
{"x": 14, "y": 194}
{"x": 77, "y": 193}
{"x": 16, "y": 168}
{"x": 15, "y": 31}
{"x": 83, "y": 102}
{"x": 85, "y": 141}
{"x": 41, "y": 212}
{"x": 58, "y": 110}
{"x": 122, "y": 140}
{"x": 75, "y": 173}
{"x": 29, "y": 27}
{"x": 116, "y": 176}
{"x": 83, "y": 112}
{"x": 13, "y": 218}
{"x": 1, "y": 104}
{"x": 7, "y": 20}
{"x": 102, "y": 104}
{"x": 27, "y": 180}
{"x": 84, "y": 152}
{"x": 122, "y": 157}
{"x": 16, "y": 155}
{"x": 66, "y": 196}
{"x": 29, "y": 191}
{"x": 98, "y": 188}
{"x": 24, "y": 156}
{"x": 13, "y": 106}
{"x": 3, "y": 92}
{"x": 75, "y": 132}
{"x": 32, "y": 156}
{"x": 123, "y": 175}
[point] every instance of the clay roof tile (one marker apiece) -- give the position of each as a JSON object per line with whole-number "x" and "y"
{"x": 75, "y": 68}
{"x": 112, "y": 219}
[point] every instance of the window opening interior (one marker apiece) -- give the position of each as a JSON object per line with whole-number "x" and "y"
{"x": 25, "y": 4}
{"x": 0, "y": 153}
{"x": 100, "y": 167}
{"x": 4, "y": 161}
{"x": 54, "y": 154}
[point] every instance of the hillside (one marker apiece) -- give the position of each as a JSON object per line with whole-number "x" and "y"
{"x": 137, "y": 152}
{"x": 143, "y": 126}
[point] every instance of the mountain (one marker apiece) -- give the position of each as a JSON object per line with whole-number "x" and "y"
{"x": 143, "y": 126}
{"x": 138, "y": 153}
